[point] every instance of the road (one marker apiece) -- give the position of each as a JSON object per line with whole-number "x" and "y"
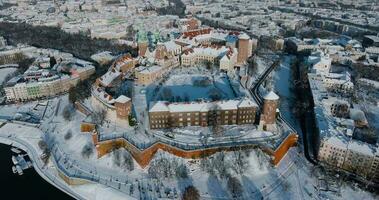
{"x": 254, "y": 91}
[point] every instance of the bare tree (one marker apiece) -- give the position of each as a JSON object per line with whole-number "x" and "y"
{"x": 45, "y": 151}
{"x": 235, "y": 187}
{"x": 128, "y": 161}
{"x": 182, "y": 171}
{"x": 163, "y": 167}
{"x": 214, "y": 94}
{"x": 87, "y": 150}
{"x": 116, "y": 157}
{"x": 215, "y": 120}
{"x": 98, "y": 116}
{"x": 191, "y": 193}
{"x": 286, "y": 185}
{"x": 42, "y": 145}
{"x": 68, "y": 134}
{"x": 167, "y": 94}
{"x": 221, "y": 165}
{"x": 68, "y": 112}
{"x": 239, "y": 164}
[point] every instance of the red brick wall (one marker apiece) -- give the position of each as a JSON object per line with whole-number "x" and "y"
{"x": 144, "y": 157}
{"x": 87, "y": 127}
{"x": 281, "y": 151}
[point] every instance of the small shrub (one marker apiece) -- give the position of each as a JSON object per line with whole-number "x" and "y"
{"x": 68, "y": 135}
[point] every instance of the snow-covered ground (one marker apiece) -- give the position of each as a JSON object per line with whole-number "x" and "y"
{"x": 292, "y": 179}
{"x": 184, "y": 86}
{"x": 283, "y": 84}
{"x": 4, "y": 72}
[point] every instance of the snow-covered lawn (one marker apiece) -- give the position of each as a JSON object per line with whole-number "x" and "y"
{"x": 189, "y": 88}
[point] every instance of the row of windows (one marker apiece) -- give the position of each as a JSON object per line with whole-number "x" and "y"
{"x": 158, "y": 126}
{"x": 180, "y": 116}
{"x": 159, "y": 121}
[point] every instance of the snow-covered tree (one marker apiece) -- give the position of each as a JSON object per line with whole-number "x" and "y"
{"x": 87, "y": 150}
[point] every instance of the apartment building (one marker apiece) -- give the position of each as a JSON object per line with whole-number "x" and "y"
{"x": 205, "y": 53}
{"x": 352, "y": 156}
{"x": 16, "y": 90}
{"x": 38, "y": 82}
{"x": 165, "y": 115}
{"x": 146, "y": 75}
{"x": 337, "y": 107}
{"x": 124, "y": 63}
{"x": 117, "y": 109}
{"x": 245, "y": 48}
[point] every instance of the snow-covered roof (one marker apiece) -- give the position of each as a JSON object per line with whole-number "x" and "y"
{"x": 122, "y": 99}
{"x": 163, "y": 106}
{"x": 247, "y": 103}
{"x": 171, "y": 45}
{"x": 271, "y": 96}
{"x": 104, "y": 97}
{"x": 108, "y": 77}
{"x": 334, "y": 100}
{"x": 357, "y": 115}
{"x": 362, "y": 148}
{"x": 370, "y": 82}
{"x": 159, "y": 106}
{"x": 207, "y": 51}
{"x": 244, "y": 36}
{"x": 148, "y": 70}
{"x": 337, "y": 142}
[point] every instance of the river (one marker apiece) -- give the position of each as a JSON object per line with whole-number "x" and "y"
{"x": 28, "y": 186}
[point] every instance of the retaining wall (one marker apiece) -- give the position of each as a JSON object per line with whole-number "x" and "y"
{"x": 144, "y": 157}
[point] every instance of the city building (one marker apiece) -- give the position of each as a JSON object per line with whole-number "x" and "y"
{"x": 146, "y": 75}
{"x": 245, "y": 50}
{"x": 268, "y": 116}
{"x": 39, "y": 82}
{"x": 166, "y": 115}
{"x": 117, "y": 110}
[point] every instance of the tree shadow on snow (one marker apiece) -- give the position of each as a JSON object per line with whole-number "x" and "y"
{"x": 250, "y": 189}
{"x": 215, "y": 188}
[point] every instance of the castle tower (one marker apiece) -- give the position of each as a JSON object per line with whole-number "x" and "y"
{"x": 268, "y": 115}
{"x": 160, "y": 51}
{"x": 142, "y": 48}
{"x": 95, "y": 137}
{"x": 123, "y": 105}
{"x": 244, "y": 48}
